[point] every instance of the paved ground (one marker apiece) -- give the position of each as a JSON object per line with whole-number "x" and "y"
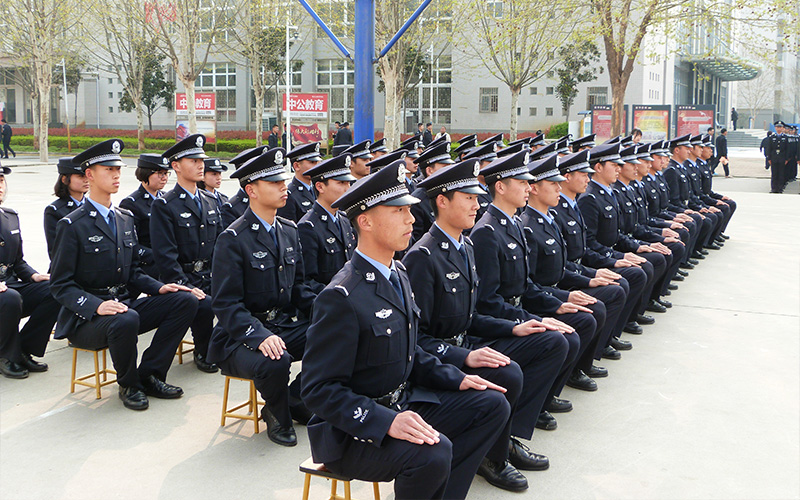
{"x": 706, "y": 406}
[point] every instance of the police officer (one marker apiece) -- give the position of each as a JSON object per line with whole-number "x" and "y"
{"x": 432, "y": 159}
{"x": 184, "y": 225}
{"x": 411, "y": 154}
{"x": 708, "y": 179}
{"x": 464, "y": 145}
{"x": 579, "y": 289}
{"x": 301, "y": 196}
{"x": 778, "y": 154}
{"x": 94, "y": 269}
{"x": 70, "y": 189}
{"x": 378, "y": 148}
{"x": 505, "y": 289}
{"x": 486, "y": 154}
{"x": 238, "y": 203}
{"x": 706, "y": 204}
{"x": 384, "y": 408}
{"x": 582, "y": 143}
{"x": 212, "y": 180}
{"x": 327, "y": 239}
{"x": 23, "y": 293}
{"x": 441, "y": 269}
{"x": 387, "y": 159}
{"x": 152, "y": 170}
{"x": 361, "y": 156}
{"x": 257, "y": 285}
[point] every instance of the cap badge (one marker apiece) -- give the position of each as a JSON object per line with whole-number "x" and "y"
{"x": 164, "y": 160}
{"x": 199, "y": 141}
{"x": 476, "y": 168}
{"x": 116, "y": 147}
{"x": 368, "y": 144}
{"x": 527, "y": 157}
{"x": 216, "y": 162}
{"x": 316, "y": 147}
{"x": 401, "y": 173}
{"x": 347, "y": 161}
{"x": 278, "y": 157}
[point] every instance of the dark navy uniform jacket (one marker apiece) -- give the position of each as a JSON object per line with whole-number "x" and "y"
{"x": 601, "y": 214}
{"x": 300, "y": 200}
{"x": 657, "y": 197}
{"x": 53, "y": 213}
{"x": 484, "y": 200}
{"x": 326, "y": 247}
{"x": 501, "y": 257}
{"x": 696, "y": 184}
{"x": 234, "y": 207}
{"x": 423, "y": 215}
{"x": 446, "y": 292}
{"x": 706, "y": 180}
{"x": 580, "y": 257}
{"x": 680, "y": 193}
{"x": 252, "y": 277}
{"x": 362, "y": 344}
{"x": 183, "y": 237}
{"x": 219, "y": 197}
{"x": 13, "y": 268}
{"x": 140, "y": 204}
{"x": 634, "y": 223}
{"x": 88, "y": 258}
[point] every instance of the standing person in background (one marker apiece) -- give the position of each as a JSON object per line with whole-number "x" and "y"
{"x": 734, "y": 117}
{"x": 722, "y": 152}
{"x": 427, "y": 135}
{"x": 443, "y": 133}
{"x": 343, "y": 139}
{"x": 272, "y": 140}
{"x": 336, "y": 127}
{"x": 7, "y": 133}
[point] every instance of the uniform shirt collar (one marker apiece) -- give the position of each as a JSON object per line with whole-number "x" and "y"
{"x": 507, "y": 216}
{"x": 78, "y": 203}
{"x": 546, "y": 217}
{"x": 266, "y": 224}
{"x": 385, "y": 271}
{"x": 100, "y": 208}
{"x": 605, "y": 189}
{"x": 192, "y": 196}
{"x": 332, "y": 216}
{"x": 650, "y": 176}
{"x": 456, "y": 243}
{"x": 307, "y": 186}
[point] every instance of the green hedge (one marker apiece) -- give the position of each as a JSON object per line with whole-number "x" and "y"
{"x": 557, "y": 131}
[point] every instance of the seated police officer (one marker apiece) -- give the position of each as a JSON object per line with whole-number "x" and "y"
{"x": 412, "y": 153}
{"x": 432, "y": 159}
{"x": 152, "y": 170}
{"x": 441, "y": 269}
{"x": 384, "y": 408}
{"x": 23, "y": 293}
{"x": 327, "y": 239}
{"x": 184, "y": 226}
{"x": 361, "y": 155}
{"x": 70, "y": 189}
{"x": 93, "y": 270}
{"x": 301, "y": 194}
{"x": 486, "y": 154}
{"x": 238, "y": 203}
{"x": 378, "y": 148}
{"x": 722, "y": 201}
{"x": 212, "y": 180}
{"x": 258, "y": 287}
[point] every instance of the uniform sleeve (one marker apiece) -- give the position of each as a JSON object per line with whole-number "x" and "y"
{"x": 310, "y": 245}
{"x": 165, "y": 245}
{"x": 590, "y": 213}
{"x": 62, "y": 275}
{"x": 50, "y": 222}
{"x": 227, "y": 214}
{"x": 302, "y": 295}
{"x": 675, "y": 202}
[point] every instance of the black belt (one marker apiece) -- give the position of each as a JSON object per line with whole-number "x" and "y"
{"x": 195, "y": 266}
{"x": 267, "y": 315}
{"x": 458, "y": 340}
{"x": 6, "y": 271}
{"x": 390, "y": 400}
{"x": 515, "y": 301}
{"x": 115, "y": 291}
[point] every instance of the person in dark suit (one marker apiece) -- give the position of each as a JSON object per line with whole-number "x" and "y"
{"x": 327, "y": 239}
{"x": 93, "y": 272}
{"x": 777, "y": 153}
{"x": 212, "y": 180}
{"x": 238, "y": 203}
{"x": 427, "y": 135}
{"x": 184, "y": 225}
{"x": 6, "y": 133}
{"x": 734, "y": 117}
{"x": 486, "y": 154}
{"x": 441, "y": 269}
{"x": 343, "y": 139}
{"x": 722, "y": 152}
{"x": 23, "y": 293}
{"x": 301, "y": 195}
{"x": 431, "y": 160}
{"x": 273, "y": 138}
{"x": 152, "y": 171}
{"x": 384, "y": 409}
{"x": 70, "y": 189}
{"x": 258, "y": 287}
{"x": 722, "y": 202}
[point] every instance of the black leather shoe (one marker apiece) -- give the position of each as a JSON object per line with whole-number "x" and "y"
{"x": 667, "y": 292}
{"x": 523, "y": 458}
{"x": 9, "y": 369}
{"x": 610, "y": 353}
{"x": 683, "y": 273}
{"x": 32, "y": 365}
{"x": 546, "y": 421}
{"x": 665, "y": 303}
{"x": 698, "y": 255}
{"x": 621, "y": 345}
{"x": 159, "y": 389}
{"x": 678, "y": 277}
{"x": 503, "y": 475}
{"x": 693, "y": 261}
{"x": 279, "y": 434}
{"x": 712, "y": 246}
{"x": 597, "y": 372}
{"x": 686, "y": 265}
{"x": 133, "y": 398}
{"x": 558, "y": 405}
{"x": 703, "y": 251}
{"x": 724, "y": 236}
{"x": 632, "y": 327}
{"x": 719, "y": 240}
{"x": 672, "y": 286}
{"x": 644, "y": 319}
{"x": 655, "y": 307}
{"x": 203, "y": 365}
{"x": 579, "y": 380}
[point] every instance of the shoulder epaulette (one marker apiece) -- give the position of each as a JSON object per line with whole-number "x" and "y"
{"x": 163, "y": 200}
{"x": 466, "y": 238}
{"x": 124, "y": 211}
{"x": 307, "y": 221}
{"x": 400, "y": 265}
{"x": 342, "y": 289}
{"x": 231, "y": 230}
{"x": 288, "y": 222}
{"x": 529, "y": 229}
{"x": 425, "y": 249}
{"x": 490, "y": 227}
{"x": 9, "y": 210}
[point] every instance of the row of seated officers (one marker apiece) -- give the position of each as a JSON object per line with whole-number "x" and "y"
{"x": 438, "y": 316}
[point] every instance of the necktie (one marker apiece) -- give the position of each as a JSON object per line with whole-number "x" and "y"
{"x": 394, "y": 279}
{"x": 463, "y": 251}
{"x": 274, "y": 235}
{"x": 199, "y": 204}
{"x": 338, "y": 226}
{"x": 112, "y": 223}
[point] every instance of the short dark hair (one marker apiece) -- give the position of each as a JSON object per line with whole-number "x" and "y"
{"x": 723, "y": 130}
{"x": 314, "y": 186}
{"x": 449, "y": 195}
{"x": 143, "y": 174}
{"x": 61, "y": 189}
{"x": 429, "y": 124}
{"x": 490, "y": 186}
{"x": 201, "y": 184}
{"x": 636, "y": 131}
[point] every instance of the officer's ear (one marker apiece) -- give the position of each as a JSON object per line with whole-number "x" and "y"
{"x": 250, "y": 190}
{"x": 363, "y": 222}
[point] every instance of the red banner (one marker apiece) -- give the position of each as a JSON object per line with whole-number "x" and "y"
{"x": 205, "y": 103}
{"x": 307, "y": 105}
{"x": 303, "y": 134}
{"x": 601, "y": 121}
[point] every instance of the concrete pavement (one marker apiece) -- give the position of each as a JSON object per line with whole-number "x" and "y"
{"x": 706, "y": 405}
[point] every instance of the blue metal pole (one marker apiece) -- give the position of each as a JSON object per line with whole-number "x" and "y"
{"x": 364, "y": 106}
{"x": 404, "y": 28}
{"x": 325, "y": 28}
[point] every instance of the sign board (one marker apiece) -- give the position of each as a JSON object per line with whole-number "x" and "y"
{"x": 206, "y": 127}
{"x": 308, "y": 132}
{"x": 205, "y": 104}
{"x": 653, "y": 121}
{"x": 693, "y": 119}
{"x": 311, "y": 106}
{"x": 601, "y": 121}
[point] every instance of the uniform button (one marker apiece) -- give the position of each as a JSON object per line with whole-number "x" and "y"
{"x": 454, "y": 289}
{"x": 409, "y": 358}
{"x": 369, "y": 440}
{"x": 2, "y": 243}
{"x": 119, "y": 269}
{"x": 202, "y": 226}
{"x": 515, "y": 257}
{"x": 354, "y": 437}
{"x": 262, "y": 266}
{"x": 96, "y": 249}
{"x": 281, "y": 290}
{"x": 388, "y": 330}
{"x": 280, "y": 268}
{"x": 202, "y": 243}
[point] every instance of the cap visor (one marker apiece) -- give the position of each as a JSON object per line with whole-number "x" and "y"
{"x": 198, "y": 156}
{"x": 277, "y": 177}
{"x": 111, "y": 163}
{"x": 619, "y": 162}
{"x": 588, "y": 170}
{"x": 634, "y": 162}
{"x": 345, "y": 177}
{"x": 523, "y": 177}
{"x": 401, "y": 201}
{"x": 646, "y": 158}
{"x": 556, "y": 178}
{"x": 472, "y": 190}
{"x": 5, "y": 170}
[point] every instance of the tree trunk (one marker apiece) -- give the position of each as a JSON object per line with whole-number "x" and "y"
{"x": 140, "y": 126}
{"x": 35, "y": 115}
{"x": 188, "y": 85}
{"x": 618, "y": 87}
{"x": 44, "y": 81}
{"x": 258, "y": 92}
{"x": 514, "y": 103}
{"x": 394, "y": 100}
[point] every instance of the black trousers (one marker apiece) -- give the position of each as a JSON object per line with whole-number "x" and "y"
{"x": 271, "y": 376}
{"x": 613, "y": 297}
{"x": 634, "y": 282}
{"x": 777, "y": 176}
{"x": 7, "y": 148}
{"x": 579, "y": 341}
{"x": 170, "y": 314}
{"x": 541, "y": 358}
{"x": 656, "y": 269}
{"x": 732, "y": 206}
{"x": 678, "y": 253}
{"x": 29, "y": 299}
{"x": 468, "y": 422}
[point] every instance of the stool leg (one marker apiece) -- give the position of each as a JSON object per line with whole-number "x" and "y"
{"x": 347, "y": 490}
{"x": 333, "y": 489}
{"x": 74, "y": 367}
{"x": 105, "y": 375}
{"x": 306, "y": 486}
{"x": 376, "y": 491}
{"x": 254, "y": 405}
{"x": 225, "y": 401}
{"x": 97, "y": 374}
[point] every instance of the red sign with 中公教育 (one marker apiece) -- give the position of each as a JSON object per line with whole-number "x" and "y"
{"x": 205, "y": 104}
{"x": 307, "y": 105}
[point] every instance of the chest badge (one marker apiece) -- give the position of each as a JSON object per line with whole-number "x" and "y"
{"x": 550, "y": 241}
{"x": 95, "y": 239}
{"x": 259, "y": 254}
{"x": 383, "y": 313}
{"x": 186, "y": 215}
{"x": 571, "y": 223}
{"x": 608, "y": 207}
{"x": 331, "y": 239}
{"x": 452, "y": 276}
{"x": 512, "y": 246}
{"x": 306, "y": 203}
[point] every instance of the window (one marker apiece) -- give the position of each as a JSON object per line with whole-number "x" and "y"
{"x": 339, "y": 15}
{"x": 337, "y": 77}
{"x": 488, "y": 100}
{"x": 596, "y": 96}
{"x": 550, "y": 73}
{"x": 534, "y": 91}
{"x": 548, "y": 111}
{"x": 216, "y": 17}
{"x": 110, "y": 95}
{"x": 111, "y": 110}
{"x": 221, "y": 79}
{"x": 495, "y": 8}
{"x": 119, "y": 95}
{"x": 110, "y": 81}
{"x": 532, "y": 112}
{"x": 436, "y": 85}
{"x": 549, "y": 91}
{"x": 270, "y": 101}
{"x": 6, "y": 76}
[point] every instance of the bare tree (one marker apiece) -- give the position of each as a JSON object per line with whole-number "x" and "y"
{"x": 752, "y": 93}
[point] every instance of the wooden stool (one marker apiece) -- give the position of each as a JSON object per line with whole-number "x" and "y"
{"x": 252, "y": 404}
{"x": 182, "y": 351}
{"x": 105, "y": 372}
{"x": 309, "y": 468}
